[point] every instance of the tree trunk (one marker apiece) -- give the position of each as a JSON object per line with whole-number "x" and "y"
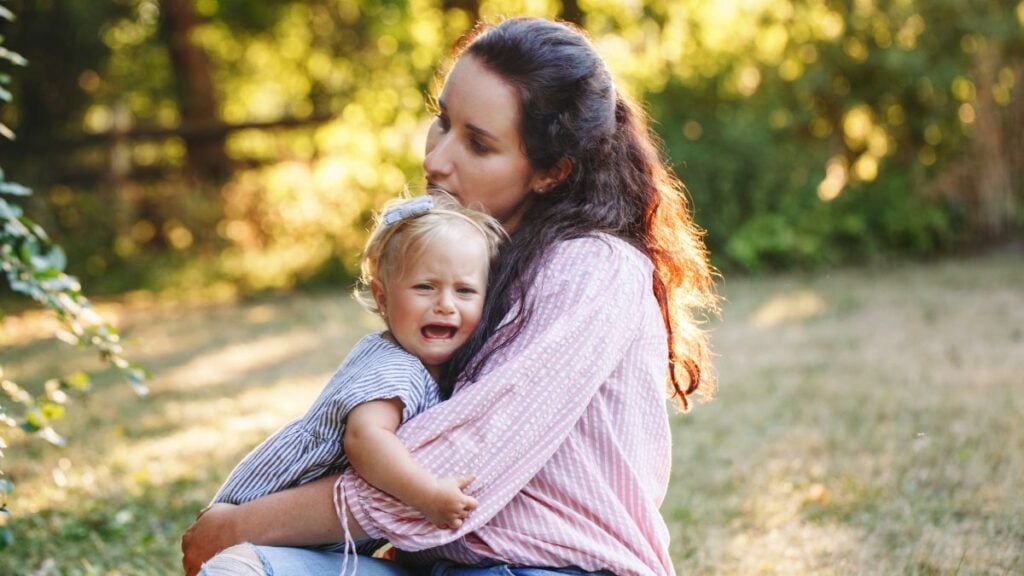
{"x": 995, "y": 206}
{"x": 1015, "y": 131}
{"x": 196, "y": 95}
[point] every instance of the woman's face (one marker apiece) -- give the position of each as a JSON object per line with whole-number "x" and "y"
{"x": 474, "y": 149}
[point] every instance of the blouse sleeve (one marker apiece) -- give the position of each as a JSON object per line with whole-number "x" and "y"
{"x": 390, "y": 373}
{"x": 585, "y": 312}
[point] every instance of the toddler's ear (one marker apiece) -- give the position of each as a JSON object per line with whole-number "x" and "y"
{"x": 377, "y": 289}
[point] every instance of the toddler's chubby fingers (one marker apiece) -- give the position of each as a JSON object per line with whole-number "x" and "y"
{"x": 469, "y": 504}
{"x": 464, "y": 480}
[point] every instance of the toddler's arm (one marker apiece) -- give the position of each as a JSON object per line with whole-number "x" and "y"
{"x": 383, "y": 461}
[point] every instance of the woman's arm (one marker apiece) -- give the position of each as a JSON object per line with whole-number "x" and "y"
{"x": 502, "y": 428}
{"x": 585, "y": 313}
{"x": 300, "y": 516}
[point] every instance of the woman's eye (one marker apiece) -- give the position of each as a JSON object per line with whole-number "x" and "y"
{"x": 478, "y": 146}
{"x": 442, "y": 121}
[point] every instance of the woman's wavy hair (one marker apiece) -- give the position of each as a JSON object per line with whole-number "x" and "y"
{"x": 619, "y": 184}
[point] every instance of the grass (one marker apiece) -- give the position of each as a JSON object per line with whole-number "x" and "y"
{"x": 868, "y": 422}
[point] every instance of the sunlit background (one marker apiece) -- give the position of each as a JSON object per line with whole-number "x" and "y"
{"x": 178, "y": 144}
{"x": 211, "y": 167}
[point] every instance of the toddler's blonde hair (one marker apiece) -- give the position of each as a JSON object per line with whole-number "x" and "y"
{"x": 392, "y": 245}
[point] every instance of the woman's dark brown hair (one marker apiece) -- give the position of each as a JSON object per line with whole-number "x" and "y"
{"x": 619, "y": 184}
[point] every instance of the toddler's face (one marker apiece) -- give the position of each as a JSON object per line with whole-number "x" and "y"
{"x": 433, "y": 307}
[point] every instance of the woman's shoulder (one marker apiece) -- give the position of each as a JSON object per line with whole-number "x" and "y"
{"x": 597, "y": 251}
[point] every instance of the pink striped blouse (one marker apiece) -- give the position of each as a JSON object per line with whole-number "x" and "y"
{"x": 567, "y": 431}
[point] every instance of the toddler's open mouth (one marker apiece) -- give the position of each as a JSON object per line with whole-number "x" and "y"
{"x": 438, "y": 331}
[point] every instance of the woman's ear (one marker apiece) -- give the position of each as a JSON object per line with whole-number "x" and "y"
{"x": 546, "y": 180}
{"x": 377, "y": 290}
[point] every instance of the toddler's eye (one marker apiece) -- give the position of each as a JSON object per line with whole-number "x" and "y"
{"x": 466, "y": 291}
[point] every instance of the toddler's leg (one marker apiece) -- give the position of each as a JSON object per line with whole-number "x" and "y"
{"x": 240, "y": 560}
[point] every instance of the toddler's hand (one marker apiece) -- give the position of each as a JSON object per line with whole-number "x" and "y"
{"x": 447, "y": 506}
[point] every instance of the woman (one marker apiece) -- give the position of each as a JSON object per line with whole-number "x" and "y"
{"x": 559, "y": 403}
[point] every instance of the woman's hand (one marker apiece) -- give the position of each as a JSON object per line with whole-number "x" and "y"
{"x": 300, "y": 516}
{"x": 213, "y": 531}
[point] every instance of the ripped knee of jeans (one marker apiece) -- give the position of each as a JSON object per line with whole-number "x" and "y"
{"x": 239, "y": 560}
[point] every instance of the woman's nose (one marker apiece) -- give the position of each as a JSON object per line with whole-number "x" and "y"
{"x": 437, "y": 160}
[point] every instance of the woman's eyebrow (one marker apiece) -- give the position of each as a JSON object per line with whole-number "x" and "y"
{"x": 478, "y": 130}
{"x": 471, "y": 127}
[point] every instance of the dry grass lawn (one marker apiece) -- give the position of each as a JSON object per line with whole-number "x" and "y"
{"x": 868, "y": 422}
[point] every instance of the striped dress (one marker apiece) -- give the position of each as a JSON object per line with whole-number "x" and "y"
{"x": 311, "y": 447}
{"x": 566, "y": 430}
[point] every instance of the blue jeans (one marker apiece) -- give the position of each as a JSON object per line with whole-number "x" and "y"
{"x": 280, "y": 561}
{"x": 445, "y": 568}
{"x": 249, "y": 560}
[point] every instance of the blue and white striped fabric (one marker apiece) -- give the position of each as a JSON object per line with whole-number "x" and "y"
{"x": 311, "y": 447}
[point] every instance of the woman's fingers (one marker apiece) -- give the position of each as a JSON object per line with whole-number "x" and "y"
{"x": 208, "y": 535}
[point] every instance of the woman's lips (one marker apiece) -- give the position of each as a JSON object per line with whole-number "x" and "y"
{"x": 434, "y": 188}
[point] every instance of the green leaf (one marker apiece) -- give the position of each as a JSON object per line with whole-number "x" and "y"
{"x": 57, "y": 258}
{"x": 38, "y": 230}
{"x": 64, "y": 283}
{"x": 28, "y": 249}
{"x": 78, "y": 381}
{"x": 6, "y": 14}
{"x": 51, "y": 436}
{"x": 52, "y": 411}
{"x": 13, "y": 188}
{"x": 137, "y": 378}
{"x": 111, "y": 331}
{"x": 9, "y": 211}
{"x": 12, "y": 57}
{"x": 20, "y": 286}
{"x": 39, "y": 263}
{"x": 30, "y": 427}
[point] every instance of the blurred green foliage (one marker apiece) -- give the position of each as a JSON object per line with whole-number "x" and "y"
{"x": 33, "y": 266}
{"x": 818, "y": 133}
{"x": 809, "y": 132}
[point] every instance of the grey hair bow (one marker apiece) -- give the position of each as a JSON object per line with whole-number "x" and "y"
{"x": 414, "y": 207}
